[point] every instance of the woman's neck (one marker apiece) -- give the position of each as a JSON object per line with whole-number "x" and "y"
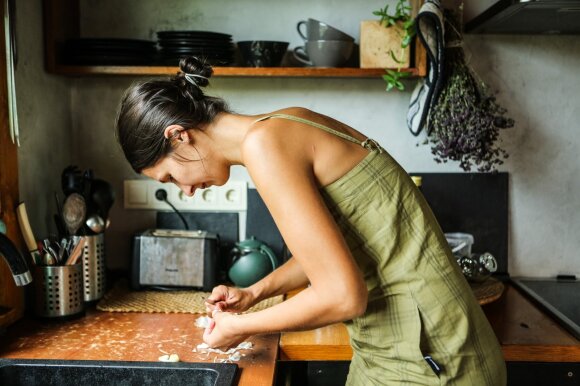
{"x": 227, "y": 132}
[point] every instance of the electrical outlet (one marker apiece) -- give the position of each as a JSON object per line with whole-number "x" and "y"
{"x": 231, "y": 197}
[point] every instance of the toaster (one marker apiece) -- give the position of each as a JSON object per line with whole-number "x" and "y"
{"x": 172, "y": 259}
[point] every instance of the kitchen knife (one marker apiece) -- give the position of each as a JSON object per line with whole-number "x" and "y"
{"x": 27, "y": 233}
{"x": 15, "y": 261}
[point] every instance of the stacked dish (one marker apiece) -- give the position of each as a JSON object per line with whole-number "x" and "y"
{"x": 215, "y": 47}
{"x": 109, "y": 51}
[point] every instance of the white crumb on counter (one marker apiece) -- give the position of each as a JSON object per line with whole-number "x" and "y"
{"x": 169, "y": 358}
{"x": 231, "y": 355}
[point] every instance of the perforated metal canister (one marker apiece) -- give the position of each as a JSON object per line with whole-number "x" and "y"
{"x": 93, "y": 262}
{"x": 58, "y": 290}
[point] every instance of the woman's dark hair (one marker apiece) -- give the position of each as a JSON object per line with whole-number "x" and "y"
{"x": 147, "y": 108}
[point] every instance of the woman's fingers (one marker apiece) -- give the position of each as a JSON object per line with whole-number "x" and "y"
{"x": 208, "y": 330}
{"x": 218, "y": 294}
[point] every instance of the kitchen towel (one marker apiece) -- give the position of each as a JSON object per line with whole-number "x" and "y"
{"x": 122, "y": 299}
{"x": 429, "y": 26}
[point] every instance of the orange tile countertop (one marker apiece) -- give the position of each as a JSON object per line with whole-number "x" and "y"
{"x": 525, "y": 333}
{"x": 131, "y": 337}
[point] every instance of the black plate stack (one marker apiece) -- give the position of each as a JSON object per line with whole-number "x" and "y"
{"x": 215, "y": 47}
{"x": 110, "y": 51}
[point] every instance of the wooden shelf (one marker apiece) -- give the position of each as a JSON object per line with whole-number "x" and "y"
{"x": 283, "y": 72}
{"x": 61, "y": 22}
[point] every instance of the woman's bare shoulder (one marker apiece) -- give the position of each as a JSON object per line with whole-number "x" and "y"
{"x": 276, "y": 138}
{"x": 270, "y": 133}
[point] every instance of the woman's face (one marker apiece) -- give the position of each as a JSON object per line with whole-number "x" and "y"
{"x": 190, "y": 169}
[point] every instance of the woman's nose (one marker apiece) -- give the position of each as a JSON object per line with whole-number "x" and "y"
{"x": 187, "y": 190}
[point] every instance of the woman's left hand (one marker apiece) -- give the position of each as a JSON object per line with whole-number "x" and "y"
{"x": 221, "y": 332}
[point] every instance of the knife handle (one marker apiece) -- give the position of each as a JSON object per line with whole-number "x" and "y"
{"x": 15, "y": 261}
{"x": 25, "y": 227}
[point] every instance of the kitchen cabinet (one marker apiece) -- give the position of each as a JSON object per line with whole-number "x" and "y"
{"x": 332, "y": 373}
{"x": 61, "y": 22}
{"x": 11, "y": 297}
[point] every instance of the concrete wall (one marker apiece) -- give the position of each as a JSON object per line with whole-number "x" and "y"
{"x": 535, "y": 75}
{"x": 45, "y": 121}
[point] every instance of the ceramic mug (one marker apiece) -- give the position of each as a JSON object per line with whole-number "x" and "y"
{"x": 324, "y": 53}
{"x": 317, "y": 30}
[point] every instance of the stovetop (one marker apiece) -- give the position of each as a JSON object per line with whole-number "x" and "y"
{"x": 558, "y": 296}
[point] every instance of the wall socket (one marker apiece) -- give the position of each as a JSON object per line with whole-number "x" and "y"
{"x": 230, "y": 197}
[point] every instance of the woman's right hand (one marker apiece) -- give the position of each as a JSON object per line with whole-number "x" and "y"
{"x": 229, "y": 299}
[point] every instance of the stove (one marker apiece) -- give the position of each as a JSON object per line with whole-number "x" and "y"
{"x": 559, "y": 296}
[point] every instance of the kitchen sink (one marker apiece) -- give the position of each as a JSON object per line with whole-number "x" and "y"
{"x": 24, "y": 372}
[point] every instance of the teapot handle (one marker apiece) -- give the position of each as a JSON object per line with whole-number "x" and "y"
{"x": 271, "y": 256}
{"x": 235, "y": 254}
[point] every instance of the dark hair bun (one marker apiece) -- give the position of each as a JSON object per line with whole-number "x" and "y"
{"x": 196, "y": 66}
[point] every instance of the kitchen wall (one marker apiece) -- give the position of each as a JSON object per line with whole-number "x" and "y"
{"x": 45, "y": 120}
{"x": 535, "y": 75}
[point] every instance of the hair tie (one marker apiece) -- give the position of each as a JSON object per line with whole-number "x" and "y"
{"x": 191, "y": 78}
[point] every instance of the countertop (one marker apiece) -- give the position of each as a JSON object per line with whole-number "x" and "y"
{"x": 525, "y": 332}
{"x": 132, "y": 337}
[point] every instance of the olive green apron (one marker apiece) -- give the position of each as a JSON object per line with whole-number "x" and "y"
{"x": 422, "y": 325}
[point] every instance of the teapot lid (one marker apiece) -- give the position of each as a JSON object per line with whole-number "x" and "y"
{"x": 251, "y": 243}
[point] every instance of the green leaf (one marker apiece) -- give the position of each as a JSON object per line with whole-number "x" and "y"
{"x": 388, "y": 78}
{"x": 394, "y": 57}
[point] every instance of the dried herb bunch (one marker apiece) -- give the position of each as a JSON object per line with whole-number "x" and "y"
{"x": 465, "y": 121}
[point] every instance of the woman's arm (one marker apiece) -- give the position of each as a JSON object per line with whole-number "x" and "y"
{"x": 282, "y": 170}
{"x": 285, "y": 278}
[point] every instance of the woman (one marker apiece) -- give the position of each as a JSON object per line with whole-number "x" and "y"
{"x": 364, "y": 242}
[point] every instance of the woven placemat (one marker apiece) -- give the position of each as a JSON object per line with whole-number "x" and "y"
{"x": 487, "y": 291}
{"x": 122, "y": 299}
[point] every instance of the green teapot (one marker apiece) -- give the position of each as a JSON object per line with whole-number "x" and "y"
{"x": 251, "y": 261}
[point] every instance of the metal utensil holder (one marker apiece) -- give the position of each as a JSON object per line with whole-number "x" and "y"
{"x": 93, "y": 262}
{"x": 58, "y": 290}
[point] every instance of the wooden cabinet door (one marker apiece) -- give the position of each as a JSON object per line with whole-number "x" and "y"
{"x": 11, "y": 297}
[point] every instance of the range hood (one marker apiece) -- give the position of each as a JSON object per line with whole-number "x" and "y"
{"x": 522, "y": 16}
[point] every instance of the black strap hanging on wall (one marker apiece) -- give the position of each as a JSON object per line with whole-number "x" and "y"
{"x": 430, "y": 30}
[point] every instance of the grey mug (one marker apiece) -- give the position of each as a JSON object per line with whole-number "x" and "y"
{"x": 324, "y": 53}
{"x": 317, "y": 30}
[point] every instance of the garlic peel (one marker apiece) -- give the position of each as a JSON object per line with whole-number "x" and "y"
{"x": 203, "y": 322}
{"x": 169, "y": 358}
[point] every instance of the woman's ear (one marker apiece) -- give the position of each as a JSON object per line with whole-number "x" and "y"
{"x": 176, "y": 133}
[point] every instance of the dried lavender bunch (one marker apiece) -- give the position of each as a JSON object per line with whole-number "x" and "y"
{"x": 465, "y": 121}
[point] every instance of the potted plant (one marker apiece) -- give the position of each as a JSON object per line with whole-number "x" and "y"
{"x": 385, "y": 43}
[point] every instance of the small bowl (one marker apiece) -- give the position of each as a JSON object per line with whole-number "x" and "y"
{"x": 262, "y": 53}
